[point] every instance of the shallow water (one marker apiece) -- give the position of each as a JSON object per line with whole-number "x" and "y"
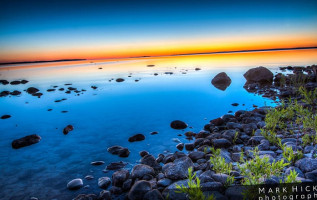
{"x": 113, "y": 112}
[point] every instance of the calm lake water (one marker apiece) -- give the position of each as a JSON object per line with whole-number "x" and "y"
{"x": 113, "y": 112}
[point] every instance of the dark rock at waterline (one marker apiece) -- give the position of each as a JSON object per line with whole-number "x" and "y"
{"x": 221, "y": 143}
{"x": 50, "y": 90}
{"x": 4, "y": 93}
{"x": 180, "y": 146}
{"x": 137, "y": 137}
{"x": 104, "y": 182}
{"x": 119, "y": 80}
{"x": 235, "y": 104}
{"x": 119, "y": 177}
{"x": 143, "y": 153}
{"x": 15, "y": 93}
{"x": 15, "y": 82}
{"x": 155, "y": 74}
{"x": 259, "y": 75}
{"x": 24, "y": 81}
{"x": 197, "y": 69}
{"x": 221, "y": 81}
{"x": 141, "y": 170}
{"x": 177, "y": 124}
{"x": 104, "y": 195}
{"x": 96, "y": 163}
{"x": 116, "y": 165}
{"x": 154, "y": 133}
{"x": 75, "y": 184}
{"x": 25, "y": 141}
{"x": 4, "y": 82}
{"x": 67, "y": 129}
{"x": 86, "y": 197}
{"x": 38, "y": 94}
{"x": 139, "y": 189}
{"x": 217, "y": 122}
{"x": 118, "y": 150}
{"x": 32, "y": 90}
{"x": 94, "y": 87}
{"x": 5, "y": 116}
{"x": 150, "y": 161}
{"x": 150, "y": 65}
{"x": 189, "y": 146}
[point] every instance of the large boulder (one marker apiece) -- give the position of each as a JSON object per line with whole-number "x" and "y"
{"x": 139, "y": 189}
{"x": 141, "y": 170}
{"x": 153, "y": 195}
{"x": 119, "y": 177}
{"x": 171, "y": 191}
{"x": 259, "y": 75}
{"x": 221, "y": 81}
{"x": 119, "y": 150}
{"x": 178, "y": 169}
{"x": 26, "y": 141}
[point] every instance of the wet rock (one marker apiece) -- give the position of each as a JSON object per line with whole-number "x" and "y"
{"x": 4, "y": 93}
{"x": 222, "y": 178}
{"x": 312, "y": 175}
{"x": 4, "y": 82}
{"x": 50, "y": 90}
{"x": 119, "y": 177}
{"x": 75, "y": 184}
{"x": 115, "y": 190}
{"x": 137, "y": 137}
{"x": 15, "y": 93}
{"x": 24, "y": 81}
{"x": 221, "y": 81}
{"x": 177, "y": 124}
{"x": 127, "y": 185}
{"x": 38, "y": 94}
{"x": 118, "y": 150}
{"x": 180, "y": 146}
{"x": 5, "y": 116}
{"x": 94, "y": 87}
{"x": 32, "y": 90}
{"x": 221, "y": 143}
{"x": 169, "y": 73}
{"x": 255, "y": 140}
{"x": 89, "y": 177}
{"x": 104, "y": 195}
{"x": 139, "y": 189}
{"x": 140, "y": 170}
{"x": 178, "y": 169}
{"x": 217, "y": 122}
{"x": 116, "y": 165}
{"x": 259, "y": 75}
{"x": 143, "y": 153}
{"x": 96, "y": 163}
{"x": 164, "y": 182}
{"x": 189, "y": 146}
{"x": 150, "y": 161}
{"x": 67, "y": 129}
{"x": 104, "y": 182}
{"x": 233, "y": 125}
{"x": 306, "y": 164}
{"x": 206, "y": 177}
{"x": 119, "y": 80}
{"x": 26, "y": 141}
{"x": 154, "y": 133}
{"x": 153, "y": 195}
{"x": 15, "y": 82}
{"x": 196, "y": 155}
{"x": 168, "y": 158}
{"x": 170, "y": 191}
{"x": 235, "y": 104}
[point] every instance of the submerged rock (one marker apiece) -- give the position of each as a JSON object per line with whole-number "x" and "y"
{"x": 67, "y": 129}
{"x": 259, "y": 75}
{"x": 26, "y": 141}
{"x": 75, "y": 184}
{"x": 5, "y": 116}
{"x": 137, "y": 137}
{"x": 177, "y": 124}
{"x": 116, "y": 165}
{"x": 221, "y": 81}
{"x": 118, "y": 150}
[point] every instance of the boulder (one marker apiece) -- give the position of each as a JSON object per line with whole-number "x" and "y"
{"x": 139, "y": 189}
{"x": 306, "y": 164}
{"x": 221, "y": 143}
{"x": 177, "y": 124}
{"x": 259, "y": 75}
{"x": 221, "y": 81}
{"x": 118, "y": 150}
{"x": 141, "y": 170}
{"x": 104, "y": 182}
{"x": 196, "y": 155}
{"x": 178, "y": 169}
{"x": 153, "y": 195}
{"x": 75, "y": 184}
{"x": 137, "y": 137}
{"x": 26, "y": 141}
{"x": 170, "y": 191}
{"x": 180, "y": 146}
{"x": 150, "y": 161}
{"x": 119, "y": 177}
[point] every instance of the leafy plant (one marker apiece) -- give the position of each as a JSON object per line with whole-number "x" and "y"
{"x": 235, "y": 137}
{"x": 270, "y": 136}
{"x": 220, "y": 165}
{"x": 309, "y": 97}
{"x": 292, "y": 177}
{"x": 193, "y": 190}
{"x": 290, "y": 155}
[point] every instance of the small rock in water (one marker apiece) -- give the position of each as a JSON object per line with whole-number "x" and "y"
{"x": 26, "y": 141}
{"x": 104, "y": 182}
{"x": 50, "y": 90}
{"x": 143, "y": 153}
{"x": 180, "y": 146}
{"x": 197, "y": 69}
{"x": 94, "y": 87}
{"x": 15, "y": 93}
{"x": 67, "y": 129}
{"x": 118, "y": 150}
{"x": 235, "y": 104}
{"x": 32, "y": 90}
{"x": 5, "y": 116}
{"x": 154, "y": 133}
{"x": 15, "y": 82}
{"x": 116, "y": 165}
{"x": 49, "y": 109}
{"x": 150, "y": 65}
{"x": 75, "y": 184}
{"x": 155, "y": 74}
{"x": 119, "y": 80}
{"x": 221, "y": 81}
{"x": 89, "y": 177}
{"x": 97, "y": 163}
{"x": 177, "y": 124}
{"x": 4, "y": 82}
{"x": 137, "y": 137}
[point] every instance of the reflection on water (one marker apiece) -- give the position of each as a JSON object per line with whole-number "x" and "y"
{"x": 113, "y": 112}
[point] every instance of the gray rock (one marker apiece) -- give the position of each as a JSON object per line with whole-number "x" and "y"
{"x": 150, "y": 161}
{"x": 249, "y": 128}
{"x": 116, "y": 165}
{"x": 211, "y": 186}
{"x": 75, "y": 184}
{"x": 264, "y": 145}
{"x": 222, "y": 178}
{"x": 153, "y": 195}
{"x": 105, "y": 195}
{"x": 170, "y": 191}
{"x": 255, "y": 140}
{"x": 306, "y": 164}
{"x": 118, "y": 150}
{"x": 89, "y": 177}
{"x": 221, "y": 143}
{"x": 164, "y": 182}
{"x": 140, "y": 170}
{"x": 206, "y": 177}
{"x": 139, "y": 189}
{"x": 178, "y": 169}
{"x": 293, "y": 140}
{"x": 259, "y": 75}
{"x": 97, "y": 163}
{"x": 270, "y": 153}
{"x": 189, "y": 146}
{"x": 308, "y": 149}
{"x": 196, "y": 155}
{"x": 104, "y": 182}
{"x": 119, "y": 177}
{"x": 233, "y": 125}
{"x": 299, "y": 172}
{"x": 127, "y": 185}
{"x": 236, "y": 157}
{"x": 221, "y": 81}
{"x": 235, "y": 192}
{"x": 312, "y": 175}
{"x": 236, "y": 148}
{"x": 180, "y": 146}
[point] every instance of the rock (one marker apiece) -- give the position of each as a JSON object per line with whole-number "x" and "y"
{"x": 312, "y": 175}
{"x": 170, "y": 191}
{"x": 143, "y": 153}
{"x": 4, "y": 82}
{"x": 118, "y": 150}
{"x": 119, "y": 80}
{"x": 4, "y": 93}
{"x": 164, "y": 182}
{"x": 306, "y": 164}
{"x": 37, "y": 94}
{"x": 15, "y": 93}
{"x": 249, "y": 128}
{"x": 89, "y": 177}
{"x": 206, "y": 176}
{"x": 119, "y": 177}
{"x": 299, "y": 172}
{"x": 235, "y": 192}
{"x": 116, "y": 165}
{"x": 211, "y": 186}
{"x": 104, "y": 182}
{"x": 285, "y": 140}
{"x": 255, "y": 140}
{"x": 15, "y": 82}
{"x": 178, "y": 169}
{"x": 127, "y": 185}
{"x": 104, "y": 195}
{"x": 217, "y": 122}
{"x": 115, "y": 190}
{"x": 222, "y": 178}
{"x": 168, "y": 158}
{"x": 221, "y": 81}
{"x": 236, "y": 157}
{"x": 150, "y": 161}
{"x": 196, "y": 155}
{"x": 221, "y": 143}
{"x": 139, "y": 189}
{"x": 67, "y": 129}
{"x": 86, "y": 197}
{"x": 26, "y": 141}
{"x": 259, "y": 75}
{"x": 137, "y": 137}
{"x": 50, "y": 90}
{"x": 5, "y": 116}
{"x": 233, "y": 125}
{"x": 235, "y": 104}
{"x": 264, "y": 145}
{"x": 97, "y": 163}
{"x": 141, "y": 170}
{"x": 189, "y": 146}
{"x": 24, "y": 81}
{"x": 177, "y": 124}
{"x": 32, "y": 90}
{"x": 154, "y": 133}
{"x": 180, "y": 146}
{"x": 75, "y": 184}
{"x": 153, "y": 195}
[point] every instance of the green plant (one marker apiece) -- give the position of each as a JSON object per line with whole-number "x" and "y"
{"x": 257, "y": 169}
{"x": 309, "y": 97}
{"x": 193, "y": 190}
{"x": 220, "y": 165}
{"x": 307, "y": 139}
{"x": 292, "y": 177}
{"x": 229, "y": 181}
{"x": 290, "y": 155}
{"x": 270, "y": 136}
{"x": 235, "y": 137}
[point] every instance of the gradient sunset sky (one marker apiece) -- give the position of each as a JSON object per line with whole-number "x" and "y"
{"x": 49, "y": 30}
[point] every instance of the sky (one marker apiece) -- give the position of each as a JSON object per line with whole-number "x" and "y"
{"x": 92, "y": 29}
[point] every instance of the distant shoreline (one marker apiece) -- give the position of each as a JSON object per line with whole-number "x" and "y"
{"x": 186, "y": 54}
